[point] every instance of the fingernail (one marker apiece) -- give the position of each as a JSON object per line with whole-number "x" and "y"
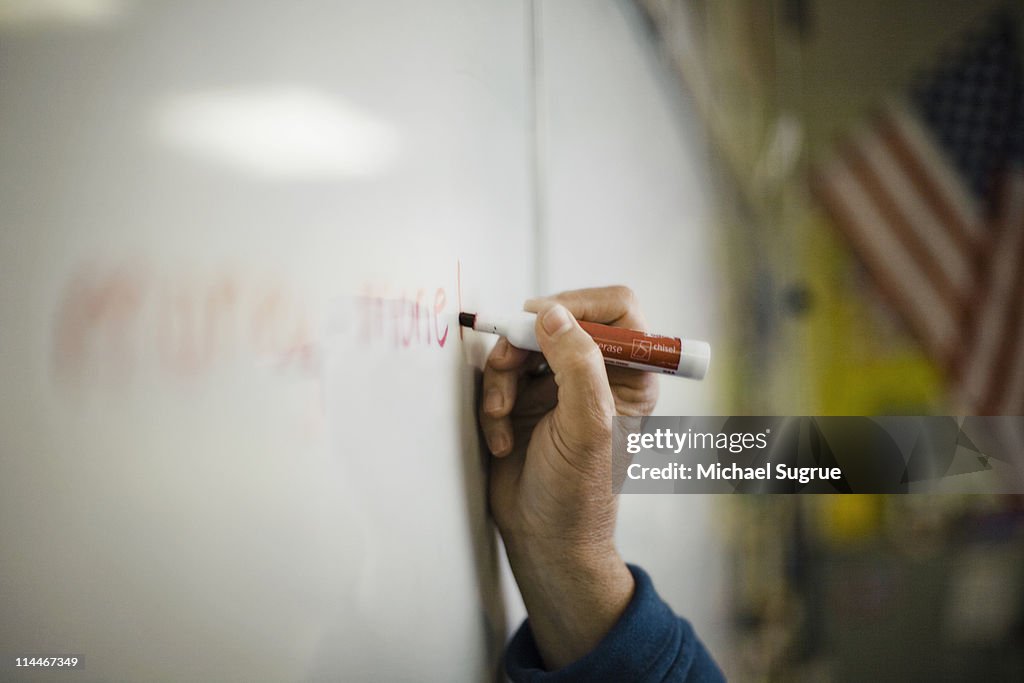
{"x": 500, "y": 349}
{"x": 499, "y": 442}
{"x": 556, "y": 320}
{"x": 493, "y": 401}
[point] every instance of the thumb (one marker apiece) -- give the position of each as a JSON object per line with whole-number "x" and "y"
{"x": 583, "y": 416}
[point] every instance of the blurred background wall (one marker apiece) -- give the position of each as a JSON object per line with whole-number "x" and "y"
{"x": 866, "y": 587}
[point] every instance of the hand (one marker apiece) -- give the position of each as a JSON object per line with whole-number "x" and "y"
{"x": 551, "y": 485}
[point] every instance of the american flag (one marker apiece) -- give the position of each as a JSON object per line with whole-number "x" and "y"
{"x": 931, "y": 196}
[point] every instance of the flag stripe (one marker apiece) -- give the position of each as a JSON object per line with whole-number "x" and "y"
{"x": 897, "y": 273}
{"x": 916, "y": 195}
{"x": 942, "y": 189}
{"x": 1010, "y": 342}
{"x": 997, "y": 300}
{"x": 933, "y": 230}
{"x": 864, "y": 166}
{"x": 1013, "y": 401}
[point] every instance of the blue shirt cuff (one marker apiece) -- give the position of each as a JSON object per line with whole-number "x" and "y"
{"x": 648, "y": 643}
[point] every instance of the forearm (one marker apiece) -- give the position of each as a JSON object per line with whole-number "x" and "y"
{"x": 573, "y": 595}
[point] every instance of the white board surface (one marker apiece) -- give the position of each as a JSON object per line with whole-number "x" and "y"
{"x": 232, "y": 444}
{"x": 237, "y": 436}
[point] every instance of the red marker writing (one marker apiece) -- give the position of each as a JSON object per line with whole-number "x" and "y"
{"x": 619, "y": 346}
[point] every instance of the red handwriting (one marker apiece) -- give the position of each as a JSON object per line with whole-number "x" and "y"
{"x": 118, "y": 320}
{"x": 98, "y": 310}
{"x": 404, "y": 321}
{"x": 115, "y": 321}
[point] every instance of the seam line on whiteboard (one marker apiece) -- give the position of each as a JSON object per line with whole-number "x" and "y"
{"x": 536, "y": 145}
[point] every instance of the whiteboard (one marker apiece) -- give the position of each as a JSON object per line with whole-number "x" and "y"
{"x": 237, "y": 436}
{"x": 236, "y": 428}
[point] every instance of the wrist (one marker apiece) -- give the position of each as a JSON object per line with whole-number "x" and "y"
{"x": 574, "y": 594}
{"x": 559, "y": 558}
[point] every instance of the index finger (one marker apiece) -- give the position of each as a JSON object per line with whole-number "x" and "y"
{"x": 616, "y": 306}
{"x": 504, "y": 356}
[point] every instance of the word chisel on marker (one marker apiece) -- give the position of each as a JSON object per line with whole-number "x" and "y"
{"x": 619, "y": 346}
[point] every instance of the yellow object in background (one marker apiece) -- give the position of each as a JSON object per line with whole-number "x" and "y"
{"x": 850, "y": 519}
{"x": 860, "y": 358}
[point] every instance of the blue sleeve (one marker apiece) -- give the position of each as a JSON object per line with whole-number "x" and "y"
{"x": 648, "y": 644}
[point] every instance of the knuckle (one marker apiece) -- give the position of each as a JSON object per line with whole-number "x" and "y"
{"x": 496, "y": 401}
{"x": 494, "y": 358}
{"x": 626, "y": 295}
{"x": 584, "y": 361}
{"x": 635, "y": 401}
{"x": 628, "y": 304}
{"x": 488, "y": 422}
{"x": 592, "y": 357}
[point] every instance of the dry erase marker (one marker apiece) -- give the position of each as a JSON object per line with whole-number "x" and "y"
{"x": 619, "y": 346}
